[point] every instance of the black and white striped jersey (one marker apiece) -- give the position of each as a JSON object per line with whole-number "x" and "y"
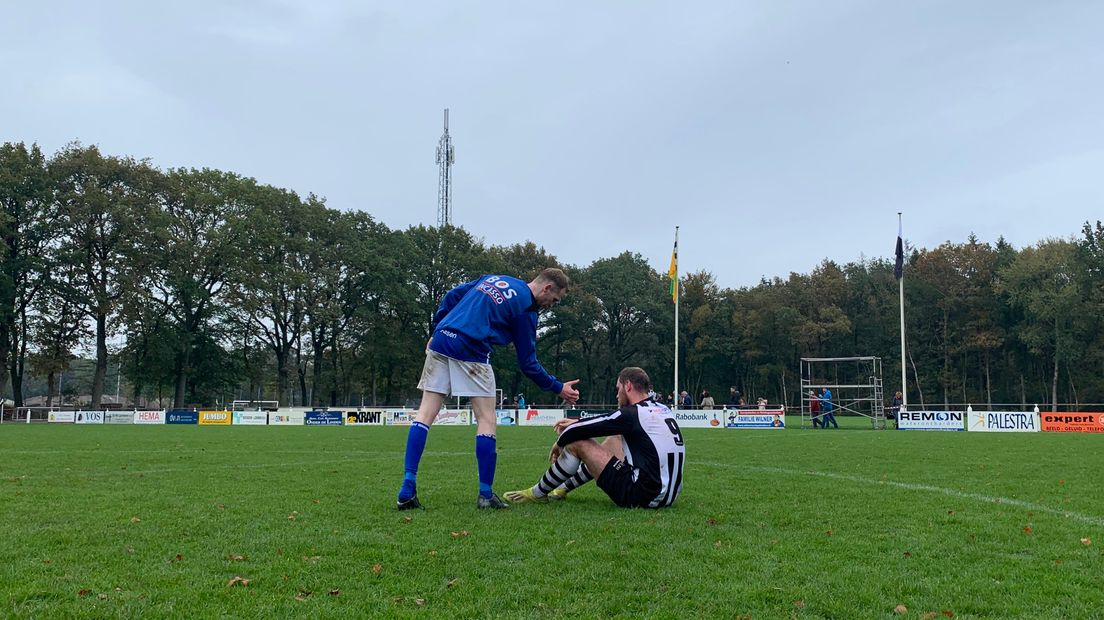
{"x": 653, "y": 446}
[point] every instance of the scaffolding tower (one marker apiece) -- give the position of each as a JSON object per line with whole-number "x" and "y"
{"x": 855, "y": 383}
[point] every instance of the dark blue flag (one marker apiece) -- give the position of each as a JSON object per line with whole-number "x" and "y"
{"x": 899, "y": 267}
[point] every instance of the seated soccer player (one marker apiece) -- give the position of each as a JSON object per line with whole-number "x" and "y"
{"x": 638, "y": 465}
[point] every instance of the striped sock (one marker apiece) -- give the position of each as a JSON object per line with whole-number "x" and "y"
{"x": 580, "y": 478}
{"x": 565, "y": 467}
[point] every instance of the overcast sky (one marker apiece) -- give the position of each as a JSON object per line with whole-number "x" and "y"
{"x": 774, "y": 133}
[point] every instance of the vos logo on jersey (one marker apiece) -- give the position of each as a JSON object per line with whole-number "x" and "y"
{"x": 497, "y": 289}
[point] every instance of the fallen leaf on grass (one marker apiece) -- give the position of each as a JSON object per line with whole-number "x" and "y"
{"x": 908, "y": 554}
{"x": 1057, "y": 562}
{"x": 1027, "y": 530}
{"x": 711, "y": 522}
{"x": 312, "y": 559}
{"x": 303, "y": 595}
{"x": 829, "y": 532}
{"x": 315, "y": 501}
{"x": 1060, "y": 482}
{"x": 220, "y": 506}
{"x": 376, "y": 568}
{"x": 900, "y": 609}
{"x": 460, "y": 534}
{"x": 433, "y": 554}
{"x": 238, "y": 580}
{"x": 1086, "y": 541}
{"x": 717, "y": 544}
{"x": 237, "y": 558}
{"x": 407, "y": 519}
{"x": 928, "y": 615}
{"x": 335, "y": 592}
{"x": 84, "y": 592}
{"x": 103, "y": 596}
{"x": 571, "y": 542}
{"x": 135, "y": 520}
{"x": 799, "y": 604}
{"x": 948, "y": 613}
{"x": 451, "y": 582}
{"x": 419, "y": 601}
{"x": 293, "y": 516}
{"x": 47, "y": 562}
{"x": 280, "y": 551}
{"x": 178, "y": 558}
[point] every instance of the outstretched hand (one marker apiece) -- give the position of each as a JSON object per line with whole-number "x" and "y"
{"x": 569, "y": 393}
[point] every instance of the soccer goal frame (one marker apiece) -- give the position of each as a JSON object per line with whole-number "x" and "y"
{"x": 855, "y": 382}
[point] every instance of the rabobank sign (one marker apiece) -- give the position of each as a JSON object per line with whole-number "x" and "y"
{"x": 931, "y": 420}
{"x": 698, "y": 419}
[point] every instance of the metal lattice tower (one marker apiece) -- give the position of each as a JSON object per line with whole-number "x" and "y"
{"x": 446, "y": 157}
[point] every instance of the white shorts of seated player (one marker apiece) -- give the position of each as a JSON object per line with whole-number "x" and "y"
{"x": 443, "y": 376}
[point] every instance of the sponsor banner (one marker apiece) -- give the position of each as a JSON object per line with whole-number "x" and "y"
{"x": 688, "y": 418}
{"x": 62, "y": 417}
{"x": 754, "y": 418}
{"x": 540, "y": 417}
{"x": 323, "y": 418}
{"x": 1002, "y": 421}
{"x": 506, "y": 417}
{"x": 181, "y": 416}
{"x": 931, "y": 420}
{"x": 454, "y": 417}
{"x": 149, "y": 417}
{"x": 365, "y": 417}
{"x": 585, "y": 413}
{"x": 1072, "y": 422}
{"x": 286, "y": 418}
{"x": 118, "y": 417}
{"x": 253, "y": 418}
{"x": 400, "y": 417}
{"x": 89, "y": 417}
{"x": 218, "y": 418}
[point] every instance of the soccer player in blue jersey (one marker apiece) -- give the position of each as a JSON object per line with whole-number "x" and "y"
{"x": 473, "y": 318}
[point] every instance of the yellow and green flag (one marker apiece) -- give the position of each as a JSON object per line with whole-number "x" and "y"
{"x": 672, "y": 273}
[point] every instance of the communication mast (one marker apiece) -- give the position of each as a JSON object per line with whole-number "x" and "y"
{"x": 446, "y": 157}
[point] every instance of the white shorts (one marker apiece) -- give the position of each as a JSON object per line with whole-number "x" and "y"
{"x": 444, "y": 375}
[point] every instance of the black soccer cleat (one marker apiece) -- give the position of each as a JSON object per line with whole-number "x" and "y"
{"x": 494, "y": 501}
{"x": 409, "y": 504}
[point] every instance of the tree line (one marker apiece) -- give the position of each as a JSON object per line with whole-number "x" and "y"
{"x": 210, "y": 286}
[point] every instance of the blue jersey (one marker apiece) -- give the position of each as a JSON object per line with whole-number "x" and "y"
{"x": 486, "y": 312}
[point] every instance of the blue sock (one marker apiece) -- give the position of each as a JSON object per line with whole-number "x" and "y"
{"x": 415, "y": 445}
{"x": 486, "y": 454}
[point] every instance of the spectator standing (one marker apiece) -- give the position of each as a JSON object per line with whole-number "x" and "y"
{"x": 733, "y": 398}
{"x": 814, "y": 409}
{"x": 827, "y": 406}
{"x": 706, "y": 400}
{"x": 685, "y": 400}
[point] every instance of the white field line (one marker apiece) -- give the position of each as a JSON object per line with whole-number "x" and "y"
{"x": 910, "y": 486}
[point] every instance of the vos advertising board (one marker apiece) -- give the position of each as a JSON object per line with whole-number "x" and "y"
{"x": 181, "y": 416}
{"x": 118, "y": 417}
{"x": 89, "y": 417}
{"x": 149, "y": 417}
{"x": 61, "y": 417}
{"x": 454, "y": 417}
{"x": 931, "y": 420}
{"x": 1072, "y": 422}
{"x": 1002, "y": 421}
{"x": 540, "y": 417}
{"x": 326, "y": 417}
{"x": 688, "y": 418}
{"x": 365, "y": 417}
{"x": 215, "y": 418}
{"x": 250, "y": 418}
{"x": 754, "y": 418}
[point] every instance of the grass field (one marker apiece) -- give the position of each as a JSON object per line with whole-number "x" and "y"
{"x": 134, "y": 521}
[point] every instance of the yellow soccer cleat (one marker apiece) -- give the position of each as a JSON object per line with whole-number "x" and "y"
{"x": 558, "y": 495}
{"x": 524, "y": 496}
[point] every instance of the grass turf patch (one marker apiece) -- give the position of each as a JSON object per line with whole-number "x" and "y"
{"x": 158, "y": 521}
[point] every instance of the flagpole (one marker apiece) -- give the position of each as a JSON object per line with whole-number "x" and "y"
{"x": 901, "y": 296}
{"x": 677, "y": 393}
